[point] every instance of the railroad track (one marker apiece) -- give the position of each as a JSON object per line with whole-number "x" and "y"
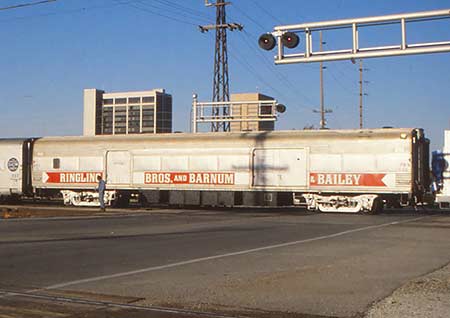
{"x": 98, "y": 304}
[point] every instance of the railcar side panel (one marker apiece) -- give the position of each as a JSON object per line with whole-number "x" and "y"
{"x": 363, "y": 165}
{"x": 351, "y": 162}
{"x": 61, "y": 171}
{"x": 441, "y": 168}
{"x": 11, "y": 165}
{"x": 447, "y": 161}
{"x": 192, "y": 169}
{"x": 118, "y": 168}
{"x": 280, "y": 168}
{"x": 345, "y": 162}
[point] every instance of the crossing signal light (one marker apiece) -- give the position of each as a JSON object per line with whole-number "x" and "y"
{"x": 290, "y": 40}
{"x": 267, "y": 41}
{"x": 281, "y": 108}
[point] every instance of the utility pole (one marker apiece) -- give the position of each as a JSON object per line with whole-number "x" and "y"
{"x": 322, "y": 98}
{"x": 323, "y": 111}
{"x": 221, "y": 92}
{"x": 361, "y": 92}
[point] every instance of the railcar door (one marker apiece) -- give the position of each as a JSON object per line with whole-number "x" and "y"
{"x": 280, "y": 167}
{"x": 118, "y": 167}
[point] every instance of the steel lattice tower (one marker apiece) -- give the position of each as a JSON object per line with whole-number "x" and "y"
{"x": 221, "y": 90}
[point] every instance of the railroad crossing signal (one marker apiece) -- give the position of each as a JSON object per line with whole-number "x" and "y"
{"x": 287, "y": 36}
{"x": 288, "y": 39}
{"x": 267, "y": 41}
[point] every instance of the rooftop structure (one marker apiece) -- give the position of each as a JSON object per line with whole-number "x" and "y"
{"x": 251, "y": 108}
{"x": 244, "y": 112}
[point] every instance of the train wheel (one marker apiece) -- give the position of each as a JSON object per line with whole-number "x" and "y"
{"x": 122, "y": 200}
{"x": 377, "y": 206}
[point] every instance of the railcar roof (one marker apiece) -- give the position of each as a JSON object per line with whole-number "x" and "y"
{"x": 379, "y": 132}
{"x": 12, "y": 140}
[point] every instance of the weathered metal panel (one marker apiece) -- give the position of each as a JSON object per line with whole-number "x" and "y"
{"x": 11, "y": 166}
{"x": 203, "y": 159}
{"x": 118, "y": 166}
{"x": 280, "y": 167}
{"x": 210, "y": 198}
{"x": 446, "y": 184}
{"x": 91, "y": 163}
{"x": 203, "y": 163}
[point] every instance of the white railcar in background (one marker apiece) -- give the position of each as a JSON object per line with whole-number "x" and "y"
{"x": 326, "y": 170}
{"x": 14, "y": 167}
{"x": 441, "y": 171}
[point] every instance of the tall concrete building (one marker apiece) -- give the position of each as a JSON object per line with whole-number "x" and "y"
{"x": 126, "y": 112}
{"x": 253, "y": 106}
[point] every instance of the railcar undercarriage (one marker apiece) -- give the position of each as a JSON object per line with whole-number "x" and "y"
{"x": 371, "y": 203}
{"x": 87, "y": 198}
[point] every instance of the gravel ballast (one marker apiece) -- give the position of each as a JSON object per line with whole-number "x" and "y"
{"x": 424, "y": 297}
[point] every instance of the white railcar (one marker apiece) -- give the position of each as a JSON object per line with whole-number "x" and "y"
{"x": 443, "y": 170}
{"x": 14, "y": 167}
{"x": 327, "y": 170}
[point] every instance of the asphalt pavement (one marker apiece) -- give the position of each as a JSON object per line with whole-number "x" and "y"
{"x": 255, "y": 263}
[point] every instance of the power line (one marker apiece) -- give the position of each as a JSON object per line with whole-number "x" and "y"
{"x": 340, "y": 83}
{"x": 280, "y": 76}
{"x": 267, "y": 12}
{"x": 176, "y": 11}
{"x": 241, "y": 60}
{"x": 182, "y": 8}
{"x": 343, "y": 74}
{"x": 159, "y": 14}
{"x": 250, "y": 18}
{"x": 61, "y": 12}
{"x": 252, "y": 71}
{"x": 26, "y": 4}
{"x": 272, "y": 67}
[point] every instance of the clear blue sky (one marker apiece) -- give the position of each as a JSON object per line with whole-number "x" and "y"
{"x": 51, "y": 52}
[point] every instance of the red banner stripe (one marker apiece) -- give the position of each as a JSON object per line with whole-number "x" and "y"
{"x": 317, "y": 179}
{"x": 213, "y": 178}
{"x": 71, "y": 177}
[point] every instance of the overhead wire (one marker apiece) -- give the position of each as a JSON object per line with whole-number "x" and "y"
{"x": 337, "y": 67}
{"x": 342, "y": 85}
{"x": 182, "y": 8}
{"x": 242, "y": 61}
{"x": 252, "y": 71}
{"x": 334, "y": 77}
{"x": 17, "y": 6}
{"x": 279, "y": 75}
{"x": 63, "y": 12}
{"x": 266, "y": 11}
{"x": 176, "y": 11}
{"x": 256, "y": 22}
{"x": 285, "y": 79}
{"x": 179, "y": 20}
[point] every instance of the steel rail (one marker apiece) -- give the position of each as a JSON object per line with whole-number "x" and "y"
{"x": 82, "y": 301}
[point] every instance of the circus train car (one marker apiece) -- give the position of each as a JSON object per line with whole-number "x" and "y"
{"x": 325, "y": 170}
